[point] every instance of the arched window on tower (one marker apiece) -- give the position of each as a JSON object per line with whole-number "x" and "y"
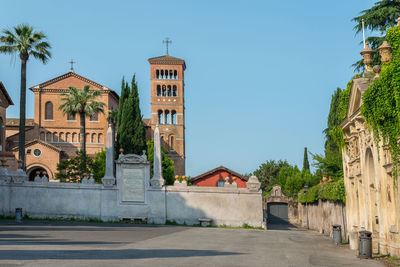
{"x": 169, "y": 93}
{"x": 166, "y": 74}
{"x": 100, "y": 138}
{"x": 61, "y": 137}
{"x": 160, "y": 117}
{"x": 162, "y": 74}
{"x": 157, "y": 74}
{"x": 167, "y": 117}
{"x": 67, "y": 137}
{"x": 175, "y": 75}
{"x": 164, "y": 90}
{"x": 171, "y": 142}
{"x": 170, "y": 74}
{"x": 158, "y": 90}
{"x": 174, "y": 91}
{"x": 48, "y": 111}
{"x": 173, "y": 117}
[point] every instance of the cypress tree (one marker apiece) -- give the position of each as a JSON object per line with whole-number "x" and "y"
{"x": 306, "y": 164}
{"x": 121, "y": 103}
{"x": 131, "y": 132}
{"x": 139, "y": 132}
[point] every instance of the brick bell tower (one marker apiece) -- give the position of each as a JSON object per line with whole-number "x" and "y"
{"x": 168, "y": 106}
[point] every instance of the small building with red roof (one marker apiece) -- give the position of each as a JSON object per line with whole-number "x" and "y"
{"x": 217, "y": 178}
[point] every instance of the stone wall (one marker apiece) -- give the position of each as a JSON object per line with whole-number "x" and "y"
{"x": 320, "y": 216}
{"x": 229, "y": 206}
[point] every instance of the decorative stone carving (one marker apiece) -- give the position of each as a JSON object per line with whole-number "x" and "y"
{"x": 385, "y": 50}
{"x": 5, "y": 177}
{"x": 182, "y": 184}
{"x": 131, "y": 158}
{"x": 367, "y": 54}
{"x": 19, "y": 176}
{"x": 253, "y": 184}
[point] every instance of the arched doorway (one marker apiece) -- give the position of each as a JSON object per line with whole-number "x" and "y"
{"x": 373, "y": 205}
{"x": 37, "y": 170}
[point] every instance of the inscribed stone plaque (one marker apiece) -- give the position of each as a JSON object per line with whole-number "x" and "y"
{"x": 133, "y": 185}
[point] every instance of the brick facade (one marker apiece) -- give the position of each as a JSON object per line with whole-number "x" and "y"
{"x": 219, "y": 174}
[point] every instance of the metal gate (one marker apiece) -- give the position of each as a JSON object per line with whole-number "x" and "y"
{"x": 277, "y": 213}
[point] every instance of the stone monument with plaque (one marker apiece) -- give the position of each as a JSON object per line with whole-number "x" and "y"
{"x": 133, "y": 178}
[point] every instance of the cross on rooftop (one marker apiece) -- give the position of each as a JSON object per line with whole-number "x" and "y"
{"x": 72, "y": 65}
{"x": 167, "y": 41}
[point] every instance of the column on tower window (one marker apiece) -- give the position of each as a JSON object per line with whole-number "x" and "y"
{"x": 167, "y": 117}
{"x": 169, "y": 93}
{"x": 173, "y": 117}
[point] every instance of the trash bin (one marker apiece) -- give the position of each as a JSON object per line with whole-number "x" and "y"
{"x": 337, "y": 233}
{"x": 365, "y": 245}
{"x": 18, "y": 215}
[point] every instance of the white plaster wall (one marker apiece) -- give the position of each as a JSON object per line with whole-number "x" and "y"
{"x": 230, "y": 206}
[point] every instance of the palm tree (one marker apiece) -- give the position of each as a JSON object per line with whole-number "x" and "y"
{"x": 81, "y": 102}
{"x": 25, "y": 42}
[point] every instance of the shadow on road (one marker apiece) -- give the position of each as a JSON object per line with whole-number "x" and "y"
{"x": 107, "y": 254}
{"x": 281, "y": 226}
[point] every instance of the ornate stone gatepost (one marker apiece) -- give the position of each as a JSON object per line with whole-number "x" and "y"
{"x": 157, "y": 180}
{"x": 253, "y": 184}
{"x": 109, "y": 180}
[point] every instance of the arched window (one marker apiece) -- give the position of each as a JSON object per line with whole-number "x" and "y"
{"x": 42, "y": 136}
{"x": 173, "y": 117}
{"x": 174, "y": 91}
{"x": 276, "y": 192}
{"x": 160, "y": 117}
{"x": 170, "y": 74}
{"x": 175, "y": 74}
{"x": 93, "y": 138}
{"x": 48, "y": 111}
{"x": 100, "y": 138}
{"x": 87, "y": 138}
{"x": 71, "y": 117}
{"x": 158, "y": 90}
{"x": 94, "y": 117}
{"x": 171, "y": 142}
{"x": 157, "y": 74}
{"x": 162, "y": 74}
{"x": 162, "y": 140}
{"x": 67, "y": 137}
{"x": 169, "y": 93}
{"x": 167, "y": 117}
{"x": 164, "y": 91}
{"x": 73, "y": 139}
{"x": 55, "y": 137}
{"x": 61, "y": 137}
{"x": 48, "y": 137}
{"x": 166, "y": 74}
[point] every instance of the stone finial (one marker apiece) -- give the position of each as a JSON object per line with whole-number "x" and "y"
{"x": 367, "y": 53}
{"x": 385, "y": 50}
{"x": 377, "y": 70}
{"x": 109, "y": 180}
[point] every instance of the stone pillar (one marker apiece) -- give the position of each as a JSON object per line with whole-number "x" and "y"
{"x": 109, "y": 179}
{"x": 157, "y": 180}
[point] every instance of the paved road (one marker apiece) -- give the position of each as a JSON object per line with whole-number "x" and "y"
{"x": 81, "y": 244}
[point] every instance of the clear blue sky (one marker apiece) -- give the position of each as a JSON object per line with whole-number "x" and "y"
{"x": 259, "y": 76}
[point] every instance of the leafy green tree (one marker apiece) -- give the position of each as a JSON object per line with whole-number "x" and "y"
{"x": 294, "y": 184}
{"x": 99, "y": 166}
{"x": 72, "y": 170}
{"x": 306, "y": 163}
{"x": 380, "y": 17}
{"x": 24, "y": 41}
{"x": 82, "y": 102}
{"x": 167, "y": 163}
{"x": 131, "y": 134}
{"x": 267, "y": 173}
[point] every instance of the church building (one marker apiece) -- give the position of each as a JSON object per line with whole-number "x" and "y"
{"x": 52, "y": 136}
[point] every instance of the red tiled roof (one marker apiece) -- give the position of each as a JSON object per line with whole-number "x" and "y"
{"x": 220, "y": 168}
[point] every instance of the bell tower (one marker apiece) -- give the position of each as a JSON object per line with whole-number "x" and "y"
{"x": 168, "y": 106}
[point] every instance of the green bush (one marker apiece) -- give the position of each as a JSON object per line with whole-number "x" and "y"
{"x": 333, "y": 191}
